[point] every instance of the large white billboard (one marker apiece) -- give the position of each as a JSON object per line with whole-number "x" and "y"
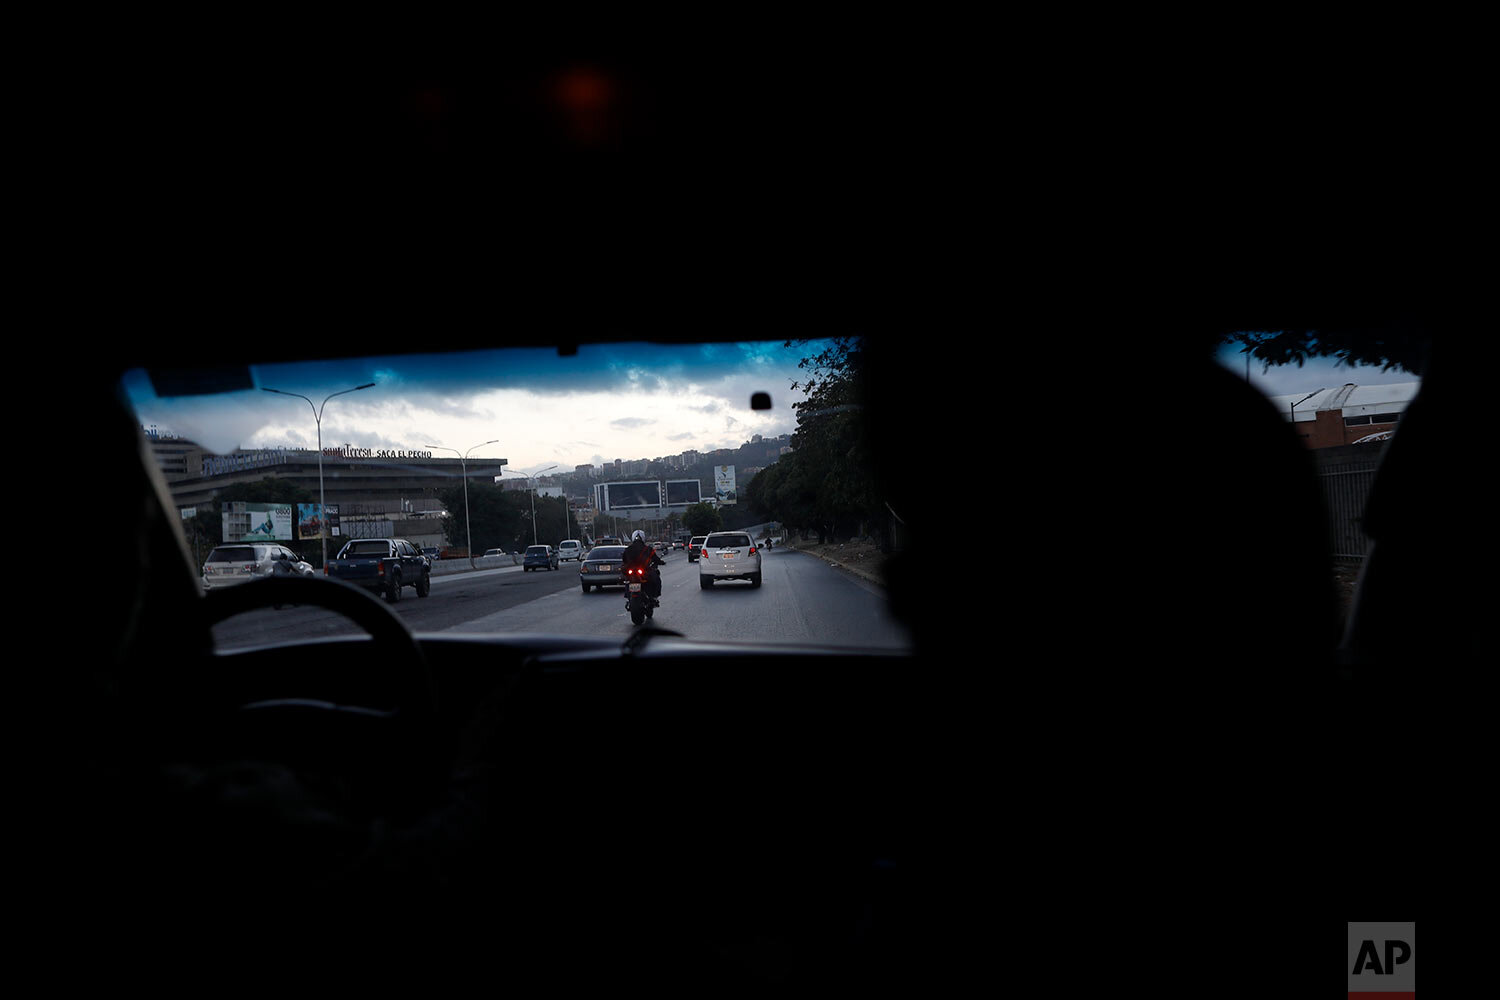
{"x": 257, "y": 522}
{"x": 724, "y": 491}
{"x": 683, "y": 492}
{"x": 632, "y": 496}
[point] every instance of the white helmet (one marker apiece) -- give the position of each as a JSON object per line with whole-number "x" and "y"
{"x": 637, "y": 536}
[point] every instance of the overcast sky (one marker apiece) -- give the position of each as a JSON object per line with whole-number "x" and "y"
{"x": 624, "y": 401}
{"x": 616, "y": 401}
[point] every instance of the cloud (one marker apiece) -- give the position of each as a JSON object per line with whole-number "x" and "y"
{"x": 612, "y": 401}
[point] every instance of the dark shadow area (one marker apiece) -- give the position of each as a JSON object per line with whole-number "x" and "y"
{"x": 1145, "y": 714}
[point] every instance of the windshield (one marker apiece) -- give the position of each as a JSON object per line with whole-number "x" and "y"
{"x": 605, "y": 553}
{"x": 516, "y": 450}
{"x": 357, "y": 549}
{"x": 237, "y": 554}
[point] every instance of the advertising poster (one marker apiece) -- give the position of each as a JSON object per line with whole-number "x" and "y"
{"x": 258, "y": 522}
{"x": 311, "y": 521}
{"x": 724, "y": 484}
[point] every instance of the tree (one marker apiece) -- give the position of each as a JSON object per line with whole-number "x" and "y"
{"x": 494, "y": 515}
{"x": 550, "y": 528}
{"x": 827, "y": 485}
{"x": 701, "y": 519}
{"x": 1404, "y": 349}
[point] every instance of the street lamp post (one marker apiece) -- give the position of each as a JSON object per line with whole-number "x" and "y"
{"x": 1299, "y": 403}
{"x": 532, "y": 481}
{"x": 463, "y": 459}
{"x": 318, "y": 419}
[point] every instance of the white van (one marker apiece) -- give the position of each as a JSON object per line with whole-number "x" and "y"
{"x": 570, "y": 549}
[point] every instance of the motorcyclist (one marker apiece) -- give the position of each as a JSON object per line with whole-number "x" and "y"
{"x": 638, "y": 553}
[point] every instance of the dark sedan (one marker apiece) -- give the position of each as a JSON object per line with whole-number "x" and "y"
{"x": 602, "y": 567}
{"x": 539, "y": 557}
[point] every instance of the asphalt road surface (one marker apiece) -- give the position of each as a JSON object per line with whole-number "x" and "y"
{"x": 801, "y": 599}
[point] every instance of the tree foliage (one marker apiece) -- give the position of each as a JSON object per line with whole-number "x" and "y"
{"x": 702, "y": 518}
{"x": 501, "y": 519}
{"x": 1402, "y": 350}
{"x": 492, "y": 514}
{"x": 826, "y": 486}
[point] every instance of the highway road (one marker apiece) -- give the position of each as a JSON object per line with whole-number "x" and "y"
{"x": 802, "y": 599}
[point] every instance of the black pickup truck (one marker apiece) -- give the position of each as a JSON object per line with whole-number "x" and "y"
{"x": 383, "y": 565}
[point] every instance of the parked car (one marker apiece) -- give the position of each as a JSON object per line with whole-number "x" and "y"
{"x": 569, "y": 550}
{"x": 384, "y": 565}
{"x": 602, "y": 567}
{"x": 728, "y": 555}
{"x": 540, "y": 557}
{"x": 228, "y": 565}
{"x": 695, "y": 546}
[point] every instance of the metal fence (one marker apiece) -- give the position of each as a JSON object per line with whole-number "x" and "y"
{"x": 1346, "y": 486}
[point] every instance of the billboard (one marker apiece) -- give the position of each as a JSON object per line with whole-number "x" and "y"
{"x": 683, "y": 492}
{"x": 311, "y": 521}
{"x": 724, "y": 484}
{"x": 257, "y": 522}
{"x": 632, "y": 496}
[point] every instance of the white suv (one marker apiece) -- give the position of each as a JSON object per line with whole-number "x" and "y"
{"x": 233, "y": 564}
{"x": 728, "y": 555}
{"x": 570, "y": 549}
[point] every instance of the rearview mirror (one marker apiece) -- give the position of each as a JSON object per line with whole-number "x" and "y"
{"x": 760, "y": 401}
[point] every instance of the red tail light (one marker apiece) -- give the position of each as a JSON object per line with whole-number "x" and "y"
{"x": 752, "y": 550}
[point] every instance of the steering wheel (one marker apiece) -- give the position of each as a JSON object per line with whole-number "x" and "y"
{"x": 368, "y": 762}
{"x": 415, "y": 700}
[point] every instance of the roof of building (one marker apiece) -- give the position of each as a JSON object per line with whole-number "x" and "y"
{"x": 1354, "y": 400}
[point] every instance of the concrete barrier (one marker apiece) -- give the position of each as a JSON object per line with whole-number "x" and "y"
{"x": 447, "y": 567}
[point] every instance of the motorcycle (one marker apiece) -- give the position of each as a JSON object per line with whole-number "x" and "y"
{"x": 638, "y": 599}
